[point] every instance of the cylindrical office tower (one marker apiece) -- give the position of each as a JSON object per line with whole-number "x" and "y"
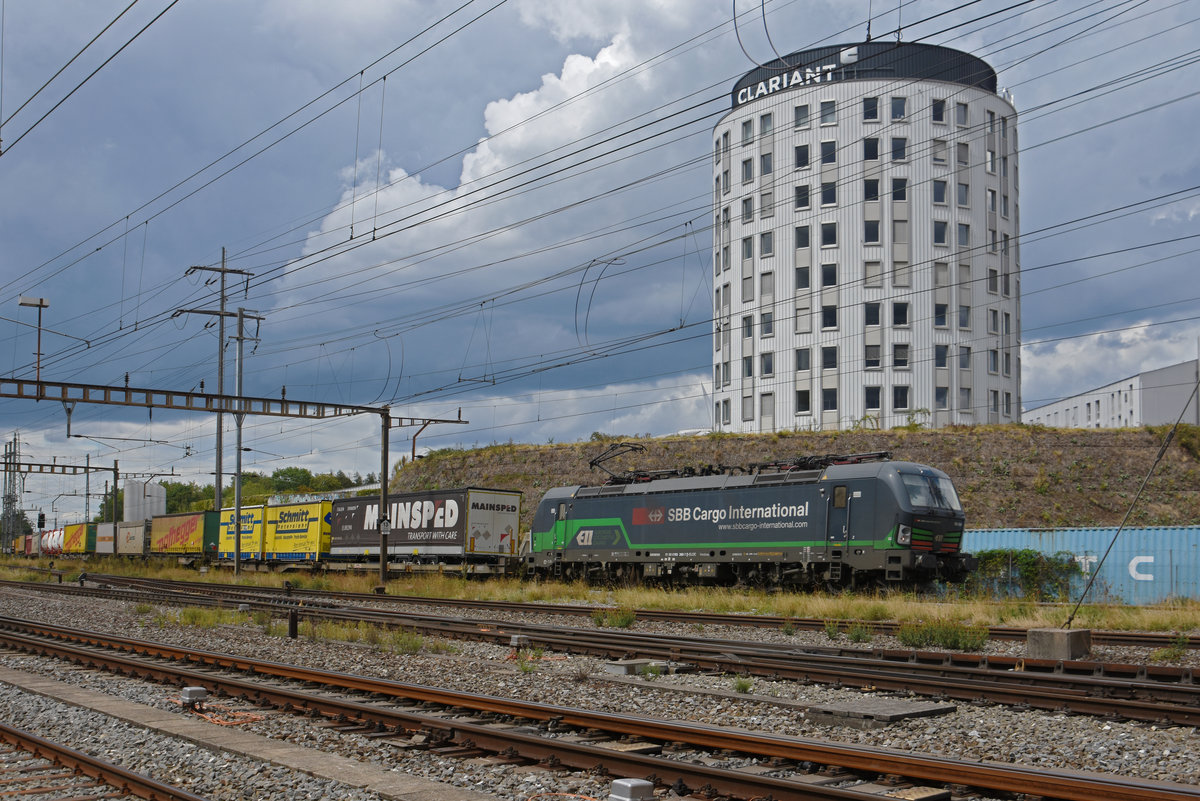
{"x": 866, "y": 267}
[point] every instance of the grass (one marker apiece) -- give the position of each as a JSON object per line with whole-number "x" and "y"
{"x": 1177, "y": 616}
{"x": 743, "y": 684}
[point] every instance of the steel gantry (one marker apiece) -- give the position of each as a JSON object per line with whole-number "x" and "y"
{"x": 69, "y": 393}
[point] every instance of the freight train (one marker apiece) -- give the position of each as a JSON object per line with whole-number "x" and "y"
{"x": 852, "y": 520}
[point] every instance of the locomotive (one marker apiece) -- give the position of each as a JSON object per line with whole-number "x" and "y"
{"x": 852, "y": 520}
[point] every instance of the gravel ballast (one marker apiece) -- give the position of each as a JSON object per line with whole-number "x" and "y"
{"x": 982, "y": 732}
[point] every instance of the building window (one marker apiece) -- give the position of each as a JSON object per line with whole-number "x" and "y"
{"x": 960, "y": 113}
{"x": 829, "y": 399}
{"x": 747, "y": 367}
{"x": 871, "y": 356}
{"x": 899, "y": 148}
{"x": 802, "y": 278}
{"x": 828, "y": 152}
{"x": 765, "y": 164}
{"x": 828, "y": 234}
{"x": 871, "y": 189}
{"x": 991, "y": 200}
{"x": 725, "y": 412}
{"x": 993, "y": 280}
{"x": 964, "y": 194}
{"x": 747, "y": 327}
{"x": 747, "y": 209}
{"x": 940, "y": 229}
{"x": 901, "y": 274}
{"x": 829, "y": 193}
{"x": 899, "y": 104}
{"x": 747, "y": 132}
{"x": 964, "y": 357}
{"x": 993, "y": 321}
{"x": 766, "y": 204}
{"x": 801, "y": 152}
{"x": 941, "y": 397}
{"x": 829, "y": 316}
{"x": 802, "y": 197}
{"x": 941, "y": 273}
{"x": 937, "y": 151}
{"x": 871, "y": 149}
{"x": 725, "y": 182}
{"x": 829, "y": 275}
{"x": 1008, "y": 404}
{"x": 994, "y": 361}
{"x": 871, "y": 232}
{"x": 871, "y": 108}
{"x": 747, "y": 170}
{"x": 767, "y": 285}
{"x": 871, "y": 398}
{"x": 941, "y": 355}
{"x": 989, "y": 161}
{"x": 963, "y": 154}
{"x": 765, "y": 125}
{"x": 900, "y": 355}
{"x": 873, "y": 274}
{"x": 964, "y": 316}
{"x": 939, "y": 192}
{"x": 964, "y": 235}
{"x": 900, "y": 313}
{"x": 829, "y": 357}
{"x": 801, "y": 236}
{"x": 1007, "y": 363}
{"x": 766, "y": 244}
{"x": 899, "y": 397}
{"x": 899, "y": 189}
{"x": 767, "y": 365}
{"x": 766, "y": 326}
{"x": 803, "y": 401}
{"x": 803, "y": 360}
{"x": 829, "y": 112}
{"x": 939, "y": 315}
{"x": 802, "y": 116}
{"x": 803, "y": 320}
{"x": 747, "y": 407}
{"x": 871, "y": 313}
{"x": 1004, "y": 206}
{"x": 938, "y": 110}
{"x": 964, "y": 399}
{"x": 748, "y": 248}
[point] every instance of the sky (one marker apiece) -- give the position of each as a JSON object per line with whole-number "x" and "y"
{"x": 498, "y": 210}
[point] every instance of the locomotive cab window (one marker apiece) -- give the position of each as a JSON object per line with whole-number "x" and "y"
{"x": 839, "y": 497}
{"x": 931, "y": 492}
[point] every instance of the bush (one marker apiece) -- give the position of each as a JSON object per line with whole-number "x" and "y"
{"x": 1028, "y": 573}
{"x": 947, "y": 634}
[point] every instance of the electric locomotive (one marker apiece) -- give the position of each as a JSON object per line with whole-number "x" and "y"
{"x": 853, "y": 520}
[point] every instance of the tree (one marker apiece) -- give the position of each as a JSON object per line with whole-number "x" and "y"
{"x": 292, "y": 479}
{"x": 188, "y": 497}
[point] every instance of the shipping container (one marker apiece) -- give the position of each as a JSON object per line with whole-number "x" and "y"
{"x": 133, "y": 539}
{"x": 195, "y": 533}
{"x": 252, "y": 528}
{"x": 470, "y": 526}
{"x": 106, "y": 538}
{"x": 298, "y": 531}
{"x": 1145, "y": 566}
{"x": 79, "y": 538}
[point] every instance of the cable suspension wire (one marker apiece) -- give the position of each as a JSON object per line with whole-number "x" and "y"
{"x": 90, "y": 75}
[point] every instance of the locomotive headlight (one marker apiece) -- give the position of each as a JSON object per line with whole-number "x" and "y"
{"x": 904, "y": 535}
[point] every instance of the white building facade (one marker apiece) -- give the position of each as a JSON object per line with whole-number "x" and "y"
{"x": 866, "y": 265}
{"x": 1153, "y": 397}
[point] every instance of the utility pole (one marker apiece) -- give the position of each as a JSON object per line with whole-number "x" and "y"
{"x": 221, "y": 314}
{"x": 238, "y": 417}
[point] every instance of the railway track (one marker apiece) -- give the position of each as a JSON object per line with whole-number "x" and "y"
{"x": 669, "y": 752}
{"x": 1119, "y": 691}
{"x": 34, "y": 767}
{"x": 1009, "y": 633}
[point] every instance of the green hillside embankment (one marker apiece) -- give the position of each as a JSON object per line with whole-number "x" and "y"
{"x": 1006, "y": 475}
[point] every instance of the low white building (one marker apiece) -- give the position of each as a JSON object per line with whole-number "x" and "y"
{"x": 1154, "y": 397}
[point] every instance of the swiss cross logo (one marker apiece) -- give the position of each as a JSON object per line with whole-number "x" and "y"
{"x": 643, "y": 516}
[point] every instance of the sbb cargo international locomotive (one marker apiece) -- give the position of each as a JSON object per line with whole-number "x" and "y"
{"x": 830, "y": 520}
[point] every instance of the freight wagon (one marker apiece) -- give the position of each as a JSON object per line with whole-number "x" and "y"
{"x": 252, "y": 543}
{"x": 79, "y": 538}
{"x": 133, "y": 538}
{"x": 188, "y": 536}
{"x": 854, "y": 520}
{"x": 473, "y": 530}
